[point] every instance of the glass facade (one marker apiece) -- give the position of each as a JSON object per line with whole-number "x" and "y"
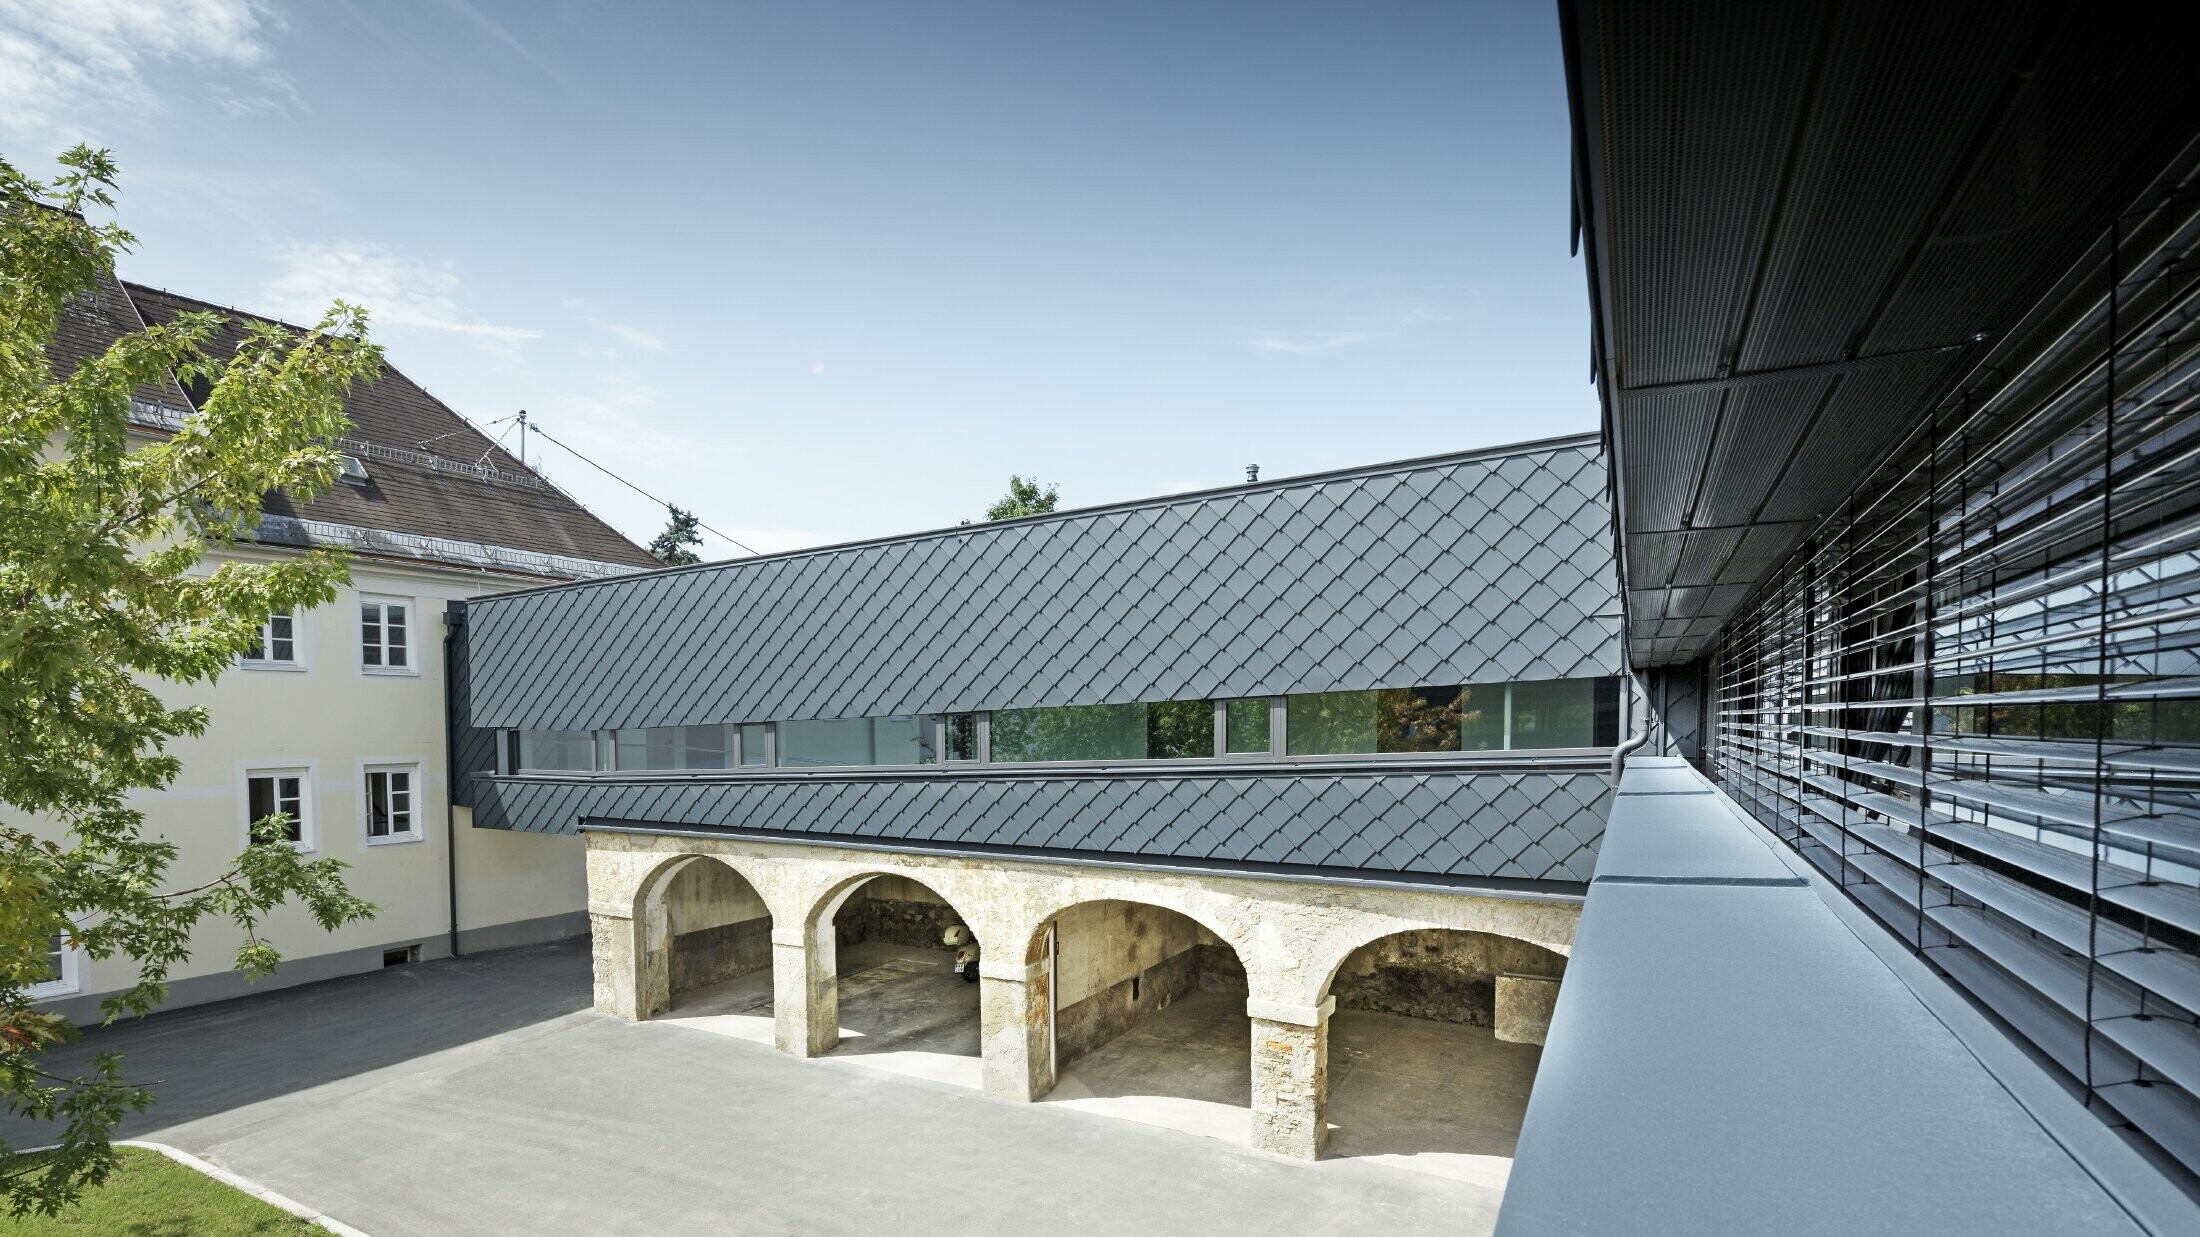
{"x": 674, "y": 747}
{"x": 1558, "y": 714}
{"x": 903, "y": 739}
{"x": 1487, "y": 717}
{"x": 1246, "y": 726}
{"x": 1170, "y": 730}
{"x": 557, "y": 750}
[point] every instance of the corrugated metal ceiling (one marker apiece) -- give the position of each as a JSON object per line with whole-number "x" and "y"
{"x": 1807, "y": 223}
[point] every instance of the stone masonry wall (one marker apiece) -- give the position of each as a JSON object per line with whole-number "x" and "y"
{"x": 1439, "y": 975}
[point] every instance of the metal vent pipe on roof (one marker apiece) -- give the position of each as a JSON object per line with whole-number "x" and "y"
{"x": 1252, "y": 473}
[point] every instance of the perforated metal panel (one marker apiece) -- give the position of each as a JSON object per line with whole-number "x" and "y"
{"x": 1480, "y": 567}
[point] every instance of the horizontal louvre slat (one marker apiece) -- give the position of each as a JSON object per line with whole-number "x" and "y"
{"x": 1971, "y": 697}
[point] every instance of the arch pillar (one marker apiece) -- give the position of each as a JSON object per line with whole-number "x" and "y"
{"x": 1015, "y": 1009}
{"x": 1290, "y": 1076}
{"x": 805, "y": 991}
{"x": 631, "y": 956}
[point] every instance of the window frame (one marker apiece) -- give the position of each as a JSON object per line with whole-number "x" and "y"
{"x": 299, "y": 646}
{"x": 71, "y": 981}
{"x": 415, "y": 768}
{"x": 308, "y": 774}
{"x": 411, "y": 608}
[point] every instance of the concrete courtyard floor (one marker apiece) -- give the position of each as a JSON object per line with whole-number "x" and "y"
{"x": 482, "y": 1095}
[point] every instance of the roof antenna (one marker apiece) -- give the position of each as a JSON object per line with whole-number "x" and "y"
{"x": 1252, "y": 473}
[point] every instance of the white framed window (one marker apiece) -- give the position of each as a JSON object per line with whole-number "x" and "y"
{"x": 390, "y": 803}
{"x": 287, "y": 790}
{"x": 386, "y": 635}
{"x": 278, "y": 646}
{"x": 64, "y": 969}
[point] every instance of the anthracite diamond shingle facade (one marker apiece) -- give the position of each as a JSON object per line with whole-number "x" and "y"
{"x": 1473, "y": 568}
{"x": 1510, "y": 824}
{"x": 1468, "y": 569}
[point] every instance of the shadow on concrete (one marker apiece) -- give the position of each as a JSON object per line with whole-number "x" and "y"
{"x": 211, "y": 1059}
{"x": 1429, "y": 1096}
{"x": 1186, "y": 1068}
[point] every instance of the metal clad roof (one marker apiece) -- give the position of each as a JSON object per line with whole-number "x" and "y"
{"x": 1510, "y": 824}
{"x": 1469, "y": 568}
{"x": 1807, "y": 223}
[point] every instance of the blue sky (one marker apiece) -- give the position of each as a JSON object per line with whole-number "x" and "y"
{"x": 822, "y": 271}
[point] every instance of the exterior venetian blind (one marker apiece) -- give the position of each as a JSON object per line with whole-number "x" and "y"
{"x": 1973, "y": 698}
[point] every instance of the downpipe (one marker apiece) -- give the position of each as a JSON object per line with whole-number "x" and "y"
{"x": 1642, "y": 733}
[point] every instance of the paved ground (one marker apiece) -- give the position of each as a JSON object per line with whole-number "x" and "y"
{"x": 480, "y": 1095}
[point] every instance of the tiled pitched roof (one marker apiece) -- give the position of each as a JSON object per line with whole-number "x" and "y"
{"x": 91, "y": 323}
{"x": 407, "y": 496}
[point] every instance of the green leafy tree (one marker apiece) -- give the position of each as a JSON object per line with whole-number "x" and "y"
{"x": 107, "y": 587}
{"x": 1023, "y": 498}
{"x": 674, "y": 546}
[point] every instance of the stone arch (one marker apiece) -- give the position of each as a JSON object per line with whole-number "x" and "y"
{"x": 1121, "y": 963}
{"x": 914, "y": 923}
{"x": 699, "y": 919}
{"x": 1534, "y": 957}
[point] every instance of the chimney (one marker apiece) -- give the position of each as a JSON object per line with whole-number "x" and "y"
{"x": 1252, "y": 473}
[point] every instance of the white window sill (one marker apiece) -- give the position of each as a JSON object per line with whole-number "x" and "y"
{"x": 397, "y": 839}
{"x": 48, "y": 992}
{"x": 287, "y": 667}
{"x": 394, "y": 672}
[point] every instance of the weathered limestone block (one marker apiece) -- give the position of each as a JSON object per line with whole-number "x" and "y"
{"x": 1012, "y": 1009}
{"x": 1290, "y": 1077}
{"x": 612, "y": 946}
{"x": 1524, "y": 1005}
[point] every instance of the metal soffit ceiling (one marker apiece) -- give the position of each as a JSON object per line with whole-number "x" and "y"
{"x": 1806, "y": 225}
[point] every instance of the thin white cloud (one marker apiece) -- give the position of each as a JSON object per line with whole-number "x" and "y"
{"x": 640, "y": 339}
{"x": 396, "y": 290}
{"x": 63, "y": 61}
{"x": 1340, "y": 336}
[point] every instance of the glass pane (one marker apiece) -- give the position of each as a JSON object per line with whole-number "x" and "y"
{"x": 1079, "y": 732}
{"x": 378, "y": 805}
{"x": 1482, "y": 717}
{"x": 755, "y": 744}
{"x": 1559, "y": 713}
{"x": 393, "y": 625}
{"x": 557, "y": 749}
{"x": 655, "y": 748}
{"x": 1393, "y": 720}
{"x": 260, "y": 798}
{"x": 56, "y": 946}
{"x": 813, "y": 743}
{"x": 1180, "y": 729}
{"x": 1418, "y": 719}
{"x": 903, "y": 739}
{"x": 706, "y": 747}
{"x": 962, "y": 736}
{"x": 1329, "y": 723}
{"x": 1245, "y": 725}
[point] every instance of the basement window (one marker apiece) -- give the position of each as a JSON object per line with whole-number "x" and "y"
{"x": 401, "y": 955}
